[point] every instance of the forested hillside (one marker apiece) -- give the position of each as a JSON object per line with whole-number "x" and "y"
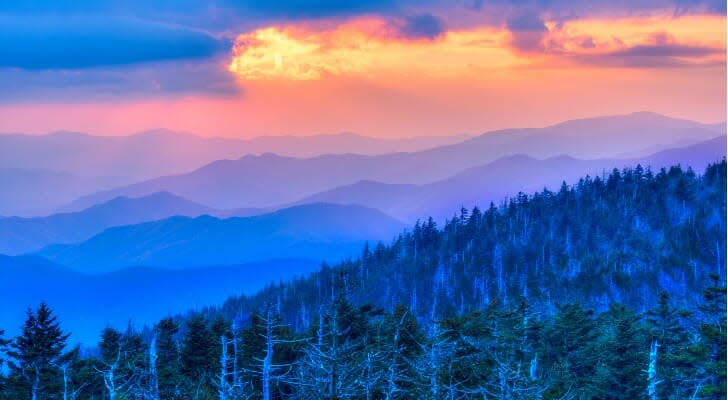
{"x": 613, "y": 288}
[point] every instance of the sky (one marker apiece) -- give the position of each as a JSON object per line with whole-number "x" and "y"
{"x": 385, "y": 68}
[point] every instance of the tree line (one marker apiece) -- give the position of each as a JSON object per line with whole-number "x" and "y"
{"x": 364, "y": 352}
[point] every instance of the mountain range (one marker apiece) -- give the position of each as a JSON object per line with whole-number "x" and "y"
{"x": 313, "y": 231}
{"x": 22, "y": 235}
{"x": 495, "y": 181}
{"x": 272, "y": 181}
{"x": 316, "y": 228}
{"x": 39, "y": 173}
{"x": 407, "y": 202}
{"x": 162, "y": 152}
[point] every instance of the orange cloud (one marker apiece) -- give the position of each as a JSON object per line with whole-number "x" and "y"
{"x": 367, "y": 48}
{"x": 364, "y": 49}
{"x": 688, "y": 40}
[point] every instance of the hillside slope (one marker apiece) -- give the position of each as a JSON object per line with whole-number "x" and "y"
{"x": 623, "y": 239}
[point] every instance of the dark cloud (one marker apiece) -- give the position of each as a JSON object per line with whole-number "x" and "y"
{"x": 688, "y": 6}
{"x": 311, "y": 8}
{"x": 146, "y": 81}
{"x": 474, "y": 5}
{"x": 588, "y": 43}
{"x": 71, "y": 43}
{"x": 666, "y": 50}
{"x": 220, "y": 15}
{"x": 668, "y": 55}
{"x": 422, "y": 26}
{"x": 527, "y": 31}
{"x": 662, "y": 44}
{"x": 582, "y": 8}
{"x": 526, "y": 22}
{"x": 214, "y": 15}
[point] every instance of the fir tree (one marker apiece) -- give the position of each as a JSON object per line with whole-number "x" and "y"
{"x": 37, "y": 353}
{"x": 625, "y": 358}
{"x": 713, "y": 339}
{"x": 167, "y": 363}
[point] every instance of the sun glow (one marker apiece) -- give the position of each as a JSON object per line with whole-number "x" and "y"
{"x": 363, "y": 51}
{"x": 368, "y": 49}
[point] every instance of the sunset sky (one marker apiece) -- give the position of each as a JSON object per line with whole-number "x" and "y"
{"x": 387, "y": 68}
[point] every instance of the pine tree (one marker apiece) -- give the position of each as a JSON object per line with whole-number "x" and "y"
{"x": 401, "y": 340}
{"x": 37, "y": 353}
{"x": 571, "y": 348}
{"x": 626, "y": 355}
{"x": 713, "y": 339}
{"x": 136, "y": 363}
{"x": 168, "y": 364}
{"x": 111, "y": 359}
{"x": 196, "y": 355}
{"x": 669, "y": 368}
{"x": 3, "y": 349}
{"x": 74, "y": 381}
{"x": 122, "y": 364}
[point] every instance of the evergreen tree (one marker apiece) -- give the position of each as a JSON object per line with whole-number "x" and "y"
{"x": 196, "y": 356}
{"x": 625, "y": 359}
{"x": 713, "y": 339}
{"x": 401, "y": 340}
{"x": 670, "y": 361}
{"x": 570, "y": 348}
{"x": 3, "y": 349}
{"x": 122, "y": 364}
{"x": 37, "y": 354}
{"x": 167, "y": 363}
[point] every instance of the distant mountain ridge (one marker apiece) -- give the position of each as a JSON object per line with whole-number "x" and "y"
{"x": 159, "y": 152}
{"x": 494, "y": 181}
{"x": 272, "y": 181}
{"x": 22, "y": 235}
{"x": 313, "y": 231}
{"x": 407, "y": 202}
{"x": 83, "y": 163}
